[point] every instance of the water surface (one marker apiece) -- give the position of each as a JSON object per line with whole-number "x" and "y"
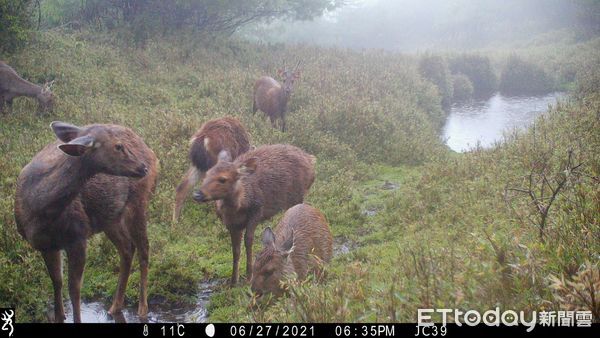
{"x": 484, "y": 122}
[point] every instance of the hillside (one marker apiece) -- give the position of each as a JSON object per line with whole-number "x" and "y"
{"x": 415, "y": 225}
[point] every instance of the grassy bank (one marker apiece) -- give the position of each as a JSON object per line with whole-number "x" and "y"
{"x": 419, "y": 226}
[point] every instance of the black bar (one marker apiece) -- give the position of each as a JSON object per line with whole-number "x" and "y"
{"x": 293, "y": 330}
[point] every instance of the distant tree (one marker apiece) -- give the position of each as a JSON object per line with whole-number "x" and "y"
{"x": 520, "y": 77}
{"x": 479, "y": 70}
{"x": 462, "y": 88}
{"x": 15, "y": 23}
{"x": 202, "y": 15}
{"x": 435, "y": 69}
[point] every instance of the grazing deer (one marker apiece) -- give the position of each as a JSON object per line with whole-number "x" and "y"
{"x": 96, "y": 178}
{"x": 302, "y": 242}
{"x": 214, "y": 136}
{"x": 253, "y": 188}
{"x": 12, "y": 85}
{"x": 271, "y": 97}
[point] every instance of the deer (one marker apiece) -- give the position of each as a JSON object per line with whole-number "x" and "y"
{"x": 12, "y": 85}
{"x": 272, "y": 98}
{"x": 253, "y": 188}
{"x": 213, "y": 136}
{"x": 95, "y": 178}
{"x": 301, "y": 243}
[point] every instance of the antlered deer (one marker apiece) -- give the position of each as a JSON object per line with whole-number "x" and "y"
{"x": 271, "y": 97}
{"x": 253, "y": 188}
{"x": 12, "y": 85}
{"x": 214, "y": 136}
{"x": 96, "y": 178}
{"x": 302, "y": 241}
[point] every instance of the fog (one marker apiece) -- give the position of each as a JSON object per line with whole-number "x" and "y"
{"x": 408, "y": 25}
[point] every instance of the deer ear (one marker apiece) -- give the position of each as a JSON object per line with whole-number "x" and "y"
{"x": 268, "y": 237}
{"x": 65, "y": 131}
{"x": 224, "y": 155}
{"x": 288, "y": 246}
{"x": 78, "y": 146}
{"x": 249, "y": 166}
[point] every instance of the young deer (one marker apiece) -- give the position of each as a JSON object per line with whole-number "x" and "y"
{"x": 302, "y": 242}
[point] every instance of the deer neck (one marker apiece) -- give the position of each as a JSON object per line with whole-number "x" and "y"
{"x": 283, "y": 99}
{"x": 26, "y": 88}
{"x": 55, "y": 182}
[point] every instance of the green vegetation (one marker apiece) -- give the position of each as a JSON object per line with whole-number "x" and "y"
{"x": 479, "y": 70}
{"x": 520, "y": 77}
{"x": 462, "y": 88}
{"x": 15, "y": 23}
{"x": 435, "y": 69}
{"x": 421, "y": 226}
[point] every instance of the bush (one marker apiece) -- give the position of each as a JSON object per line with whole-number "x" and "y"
{"x": 520, "y": 77}
{"x": 14, "y": 23}
{"x": 479, "y": 70}
{"x": 435, "y": 69}
{"x": 463, "y": 88}
{"x": 588, "y": 78}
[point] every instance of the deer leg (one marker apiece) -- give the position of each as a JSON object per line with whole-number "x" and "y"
{"x": 54, "y": 266}
{"x": 254, "y": 109}
{"x": 283, "y": 123}
{"x": 141, "y": 242}
{"x": 126, "y": 251}
{"x": 273, "y": 122}
{"x": 248, "y": 240}
{"x": 236, "y": 246}
{"x": 76, "y": 256}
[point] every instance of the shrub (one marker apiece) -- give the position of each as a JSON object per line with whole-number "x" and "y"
{"x": 588, "y": 78}
{"x": 479, "y": 70}
{"x": 520, "y": 77}
{"x": 435, "y": 69}
{"x": 462, "y": 88}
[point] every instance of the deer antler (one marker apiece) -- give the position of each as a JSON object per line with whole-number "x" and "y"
{"x": 47, "y": 86}
{"x": 298, "y": 65}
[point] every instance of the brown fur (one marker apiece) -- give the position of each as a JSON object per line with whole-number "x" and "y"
{"x": 12, "y": 85}
{"x": 214, "y": 136}
{"x": 104, "y": 185}
{"x": 301, "y": 242}
{"x": 272, "y": 98}
{"x": 253, "y": 188}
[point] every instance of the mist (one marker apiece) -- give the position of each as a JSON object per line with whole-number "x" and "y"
{"x": 410, "y": 25}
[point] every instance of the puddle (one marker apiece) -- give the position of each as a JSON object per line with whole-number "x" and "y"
{"x": 158, "y": 312}
{"x": 371, "y": 211}
{"x": 390, "y": 185}
{"x": 342, "y": 246}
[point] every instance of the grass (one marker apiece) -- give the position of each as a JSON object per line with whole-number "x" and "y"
{"x": 422, "y": 226}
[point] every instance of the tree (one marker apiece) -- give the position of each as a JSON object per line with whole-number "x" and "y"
{"x": 201, "y": 15}
{"x": 15, "y": 23}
